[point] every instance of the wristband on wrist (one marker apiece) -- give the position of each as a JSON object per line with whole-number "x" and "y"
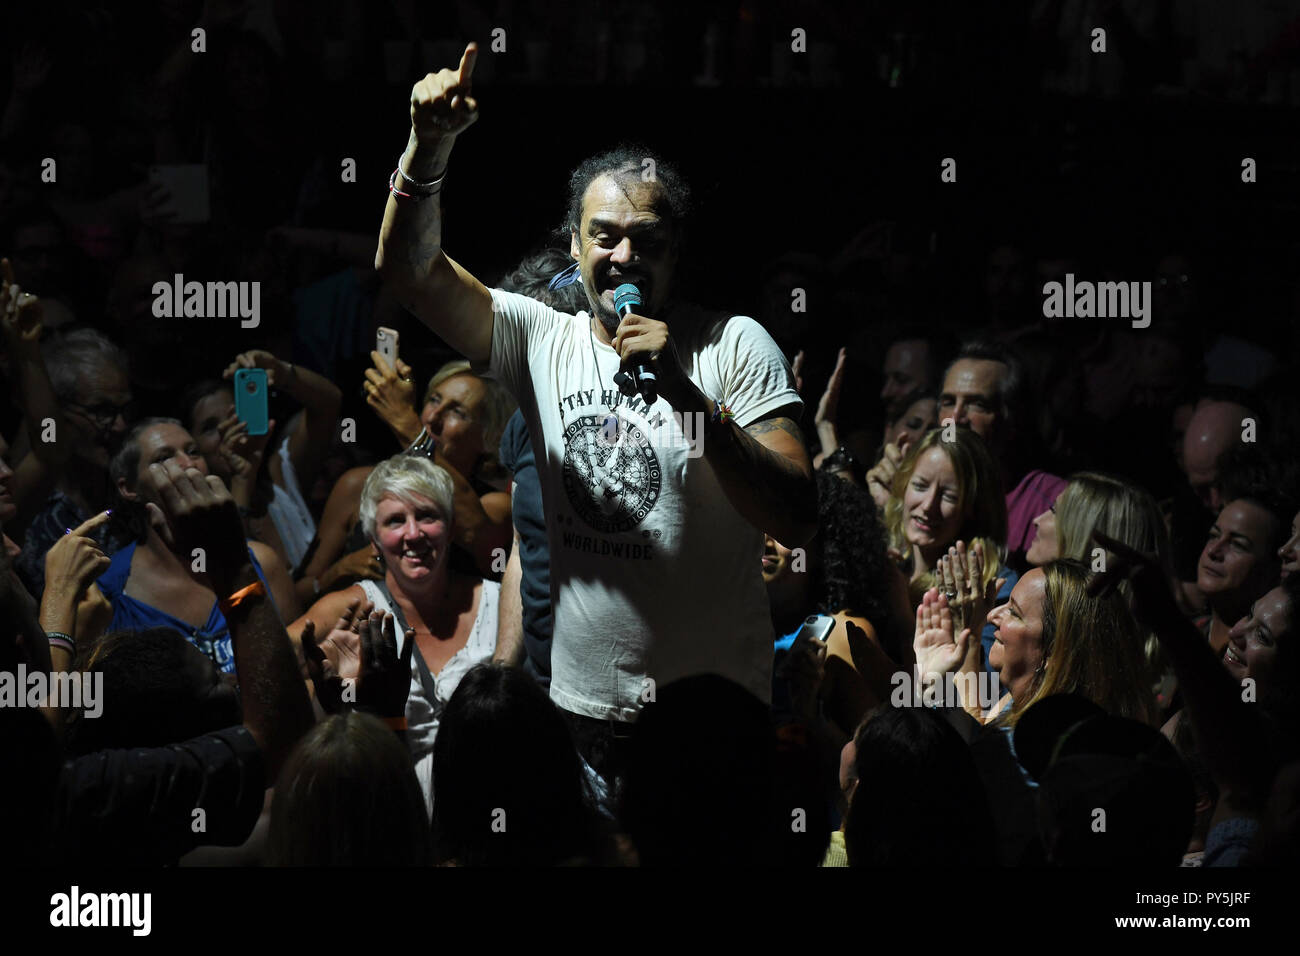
{"x": 721, "y": 413}
{"x": 239, "y": 597}
{"x": 415, "y": 190}
{"x": 841, "y": 459}
{"x": 63, "y": 641}
{"x": 395, "y": 723}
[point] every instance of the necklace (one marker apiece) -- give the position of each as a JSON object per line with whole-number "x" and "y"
{"x": 609, "y": 428}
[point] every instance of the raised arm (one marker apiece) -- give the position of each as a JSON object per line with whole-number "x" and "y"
{"x": 34, "y": 475}
{"x": 201, "y": 513}
{"x": 410, "y": 259}
{"x": 310, "y": 434}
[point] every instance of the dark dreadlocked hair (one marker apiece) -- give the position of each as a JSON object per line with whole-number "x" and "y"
{"x": 855, "y": 564}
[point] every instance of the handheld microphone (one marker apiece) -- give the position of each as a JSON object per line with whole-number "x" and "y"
{"x": 643, "y": 379}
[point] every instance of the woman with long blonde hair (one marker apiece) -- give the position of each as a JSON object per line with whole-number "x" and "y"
{"x": 1094, "y": 501}
{"x": 1051, "y": 637}
{"x": 947, "y": 502}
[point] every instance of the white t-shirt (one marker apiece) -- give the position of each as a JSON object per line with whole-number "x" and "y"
{"x": 654, "y": 574}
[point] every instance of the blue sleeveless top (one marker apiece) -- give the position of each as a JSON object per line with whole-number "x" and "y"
{"x": 213, "y": 639}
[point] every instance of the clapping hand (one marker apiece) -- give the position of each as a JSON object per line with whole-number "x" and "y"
{"x": 336, "y": 658}
{"x": 938, "y": 652}
{"x": 960, "y": 576}
{"x": 361, "y": 648}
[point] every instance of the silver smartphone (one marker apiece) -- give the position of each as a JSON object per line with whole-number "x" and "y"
{"x": 386, "y": 345}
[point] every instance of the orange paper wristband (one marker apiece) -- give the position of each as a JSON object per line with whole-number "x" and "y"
{"x": 243, "y": 594}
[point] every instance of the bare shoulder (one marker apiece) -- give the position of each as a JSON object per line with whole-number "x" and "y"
{"x": 325, "y": 612}
{"x": 265, "y": 555}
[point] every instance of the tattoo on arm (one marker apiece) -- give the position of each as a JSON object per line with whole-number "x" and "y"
{"x": 774, "y": 424}
{"x": 762, "y": 453}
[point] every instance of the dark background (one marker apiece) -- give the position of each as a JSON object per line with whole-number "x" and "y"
{"x": 817, "y": 170}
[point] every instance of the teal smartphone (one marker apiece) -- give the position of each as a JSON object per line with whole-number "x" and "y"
{"x": 250, "y": 399}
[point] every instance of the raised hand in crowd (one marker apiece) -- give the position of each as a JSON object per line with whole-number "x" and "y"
{"x": 828, "y": 413}
{"x": 337, "y": 656}
{"x": 880, "y": 479}
{"x": 362, "y": 650}
{"x": 200, "y": 513}
{"x": 71, "y": 567}
{"x": 311, "y": 435}
{"x": 939, "y": 648}
{"x": 961, "y": 579}
{"x": 22, "y": 321}
{"x": 243, "y": 454}
{"x": 391, "y": 393}
{"x": 944, "y": 651}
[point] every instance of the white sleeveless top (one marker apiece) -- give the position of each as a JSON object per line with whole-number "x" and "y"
{"x": 423, "y": 715}
{"x": 289, "y": 512}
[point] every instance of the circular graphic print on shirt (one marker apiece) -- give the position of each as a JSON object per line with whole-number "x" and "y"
{"x": 612, "y": 478}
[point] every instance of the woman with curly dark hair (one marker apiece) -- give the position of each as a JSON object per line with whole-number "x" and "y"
{"x": 846, "y": 573}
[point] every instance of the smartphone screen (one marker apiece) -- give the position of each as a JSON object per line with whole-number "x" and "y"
{"x": 250, "y": 399}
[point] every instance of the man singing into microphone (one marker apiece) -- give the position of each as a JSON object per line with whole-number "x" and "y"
{"x": 655, "y": 549}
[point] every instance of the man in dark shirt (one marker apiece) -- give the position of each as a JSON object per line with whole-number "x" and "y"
{"x": 150, "y": 807}
{"x": 526, "y": 588}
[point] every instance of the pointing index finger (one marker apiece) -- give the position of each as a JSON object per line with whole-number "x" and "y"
{"x": 467, "y": 61}
{"x": 90, "y": 524}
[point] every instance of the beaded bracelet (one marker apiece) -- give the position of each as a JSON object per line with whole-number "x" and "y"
{"x": 721, "y": 413}
{"x": 65, "y": 641}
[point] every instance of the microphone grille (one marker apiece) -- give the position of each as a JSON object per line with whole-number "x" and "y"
{"x": 626, "y": 295}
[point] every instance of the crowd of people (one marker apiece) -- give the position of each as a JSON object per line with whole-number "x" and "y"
{"x": 495, "y": 600}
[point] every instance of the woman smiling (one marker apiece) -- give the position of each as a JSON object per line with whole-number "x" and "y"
{"x": 406, "y": 510}
{"x": 947, "y": 493}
